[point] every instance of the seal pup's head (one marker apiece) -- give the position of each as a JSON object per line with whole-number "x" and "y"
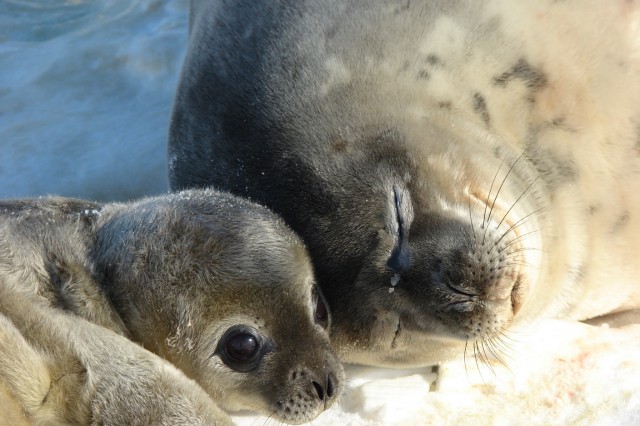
{"x": 224, "y": 290}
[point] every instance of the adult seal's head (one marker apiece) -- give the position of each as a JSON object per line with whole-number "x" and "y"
{"x": 225, "y": 291}
{"x": 426, "y": 153}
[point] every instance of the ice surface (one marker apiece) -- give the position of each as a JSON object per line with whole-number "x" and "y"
{"x": 558, "y": 373}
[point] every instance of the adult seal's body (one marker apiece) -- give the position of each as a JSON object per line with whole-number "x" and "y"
{"x": 453, "y": 166}
{"x": 216, "y": 285}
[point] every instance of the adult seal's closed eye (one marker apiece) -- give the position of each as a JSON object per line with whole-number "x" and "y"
{"x": 453, "y": 167}
{"x": 217, "y": 285}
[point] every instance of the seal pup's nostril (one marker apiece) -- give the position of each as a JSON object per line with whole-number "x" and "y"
{"x": 319, "y": 390}
{"x": 330, "y": 386}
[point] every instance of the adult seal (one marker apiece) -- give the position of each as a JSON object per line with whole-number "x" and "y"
{"x": 216, "y": 285}
{"x": 454, "y": 167}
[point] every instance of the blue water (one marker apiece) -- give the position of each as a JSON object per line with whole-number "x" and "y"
{"x": 85, "y": 95}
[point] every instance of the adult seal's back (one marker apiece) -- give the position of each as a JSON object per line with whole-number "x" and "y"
{"x": 453, "y": 166}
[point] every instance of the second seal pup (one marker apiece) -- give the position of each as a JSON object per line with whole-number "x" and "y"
{"x": 453, "y": 166}
{"x": 215, "y": 284}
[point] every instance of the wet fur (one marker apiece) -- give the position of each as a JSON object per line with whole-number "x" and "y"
{"x": 510, "y": 129}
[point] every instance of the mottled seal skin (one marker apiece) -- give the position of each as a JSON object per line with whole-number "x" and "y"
{"x": 217, "y": 285}
{"x": 452, "y": 166}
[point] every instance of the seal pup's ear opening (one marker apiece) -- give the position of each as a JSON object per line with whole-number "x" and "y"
{"x": 321, "y": 314}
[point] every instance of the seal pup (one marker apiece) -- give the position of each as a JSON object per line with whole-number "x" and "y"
{"x": 217, "y": 285}
{"x": 453, "y": 166}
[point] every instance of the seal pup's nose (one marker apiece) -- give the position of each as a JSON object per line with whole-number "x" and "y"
{"x": 325, "y": 392}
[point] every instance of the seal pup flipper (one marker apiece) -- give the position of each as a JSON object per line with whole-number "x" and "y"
{"x": 11, "y": 409}
{"x": 23, "y": 370}
{"x": 62, "y": 369}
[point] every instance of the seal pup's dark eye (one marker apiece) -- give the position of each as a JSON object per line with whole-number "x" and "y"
{"x": 320, "y": 310}
{"x": 241, "y": 348}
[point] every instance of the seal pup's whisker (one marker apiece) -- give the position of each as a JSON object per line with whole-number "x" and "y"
{"x": 268, "y": 419}
{"x": 344, "y": 397}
